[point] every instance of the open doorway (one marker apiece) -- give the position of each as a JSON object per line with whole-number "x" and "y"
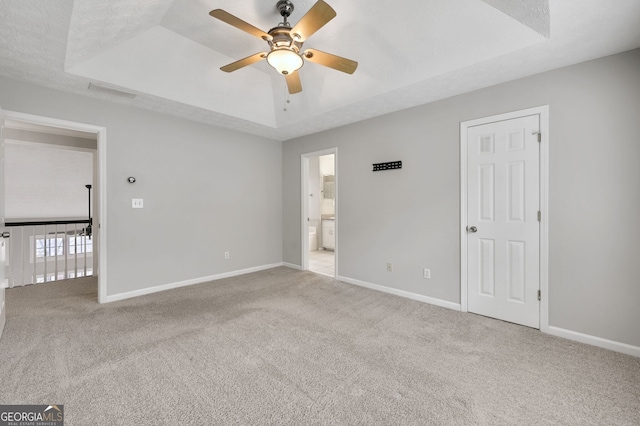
{"x": 68, "y": 147}
{"x": 49, "y": 175}
{"x": 319, "y": 199}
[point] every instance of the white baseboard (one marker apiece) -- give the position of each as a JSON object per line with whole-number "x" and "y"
{"x": 150, "y": 290}
{"x": 554, "y": 331}
{"x": 402, "y": 293}
{"x": 292, "y": 266}
{"x": 595, "y": 341}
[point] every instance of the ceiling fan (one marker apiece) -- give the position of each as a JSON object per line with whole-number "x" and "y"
{"x": 285, "y": 43}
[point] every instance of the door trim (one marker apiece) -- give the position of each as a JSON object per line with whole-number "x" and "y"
{"x": 101, "y": 228}
{"x": 543, "y": 112}
{"x": 304, "y": 208}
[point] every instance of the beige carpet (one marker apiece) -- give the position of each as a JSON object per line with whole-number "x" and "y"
{"x": 289, "y": 347}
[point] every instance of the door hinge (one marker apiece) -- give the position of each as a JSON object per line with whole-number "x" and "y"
{"x": 539, "y": 216}
{"x": 539, "y": 135}
{"x": 539, "y": 295}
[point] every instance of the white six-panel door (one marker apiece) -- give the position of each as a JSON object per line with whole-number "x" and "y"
{"x": 503, "y": 229}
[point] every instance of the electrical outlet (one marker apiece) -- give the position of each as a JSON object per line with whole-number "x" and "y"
{"x": 137, "y": 203}
{"x": 226, "y": 255}
{"x": 426, "y": 273}
{"x": 389, "y": 267}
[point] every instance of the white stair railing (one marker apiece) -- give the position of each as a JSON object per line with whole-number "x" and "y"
{"x": 42, "y": 251}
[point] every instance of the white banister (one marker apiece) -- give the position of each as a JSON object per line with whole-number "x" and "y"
{"x": 48, "y": 251}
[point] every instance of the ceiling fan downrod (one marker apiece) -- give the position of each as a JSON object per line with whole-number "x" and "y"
{"x": 285, "y": 7}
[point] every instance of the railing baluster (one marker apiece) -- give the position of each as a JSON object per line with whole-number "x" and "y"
{"x": 55, "y": 277}
{"x": 46, "y": 246}
{"x": 13, "y": 260}
{"x": 84, "y": 245}
{"x": 24, "y": 253}
{"x": 8, "y": 253}
{"x": 75, "y": 251}
{"x": 35, "y": 258}
{"x": 66, "y": 251}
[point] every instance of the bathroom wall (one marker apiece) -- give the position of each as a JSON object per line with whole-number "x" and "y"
{"x": 315, "y": 195}
{"x": 327, "y": 168}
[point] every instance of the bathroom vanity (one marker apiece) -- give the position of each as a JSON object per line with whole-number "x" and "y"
{"x": 328, "y": 234}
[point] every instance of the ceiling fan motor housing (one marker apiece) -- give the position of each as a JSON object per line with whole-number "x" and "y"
{"x": 282, "y": 38}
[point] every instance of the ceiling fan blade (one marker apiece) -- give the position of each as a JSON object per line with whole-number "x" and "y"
{"x": 239, "y": 23}
{"x": 244, "y": 62}
{"x": 293, "y": 82}
{"x": 319, "y": 14}
{"x": 332, "y": 61}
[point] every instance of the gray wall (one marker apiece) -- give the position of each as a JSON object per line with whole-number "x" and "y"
{"x": 411, "y": 216}
{"x": 206, "y": 190}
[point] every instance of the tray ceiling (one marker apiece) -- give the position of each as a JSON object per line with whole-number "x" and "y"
{"x": 168, "y": 53}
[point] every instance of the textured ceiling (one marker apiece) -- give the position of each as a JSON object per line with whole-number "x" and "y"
{"x": 168, "y": 52}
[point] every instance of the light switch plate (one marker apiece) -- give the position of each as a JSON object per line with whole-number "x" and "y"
{"x": 137, "y": 203}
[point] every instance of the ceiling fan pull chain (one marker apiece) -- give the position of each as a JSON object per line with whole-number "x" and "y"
{"x": 286, "y": 97}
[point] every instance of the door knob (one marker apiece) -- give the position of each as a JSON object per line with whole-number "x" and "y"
{"x": 6, "y": 235}
{"x": 472, "y": 229}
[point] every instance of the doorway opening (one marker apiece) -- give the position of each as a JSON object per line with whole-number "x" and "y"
{"x": 319, "y": 212}
{"x": 63, "y": 229}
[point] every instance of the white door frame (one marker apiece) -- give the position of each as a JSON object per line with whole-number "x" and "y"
{"x": 3, "y": 251}
{"x": 543, "y": 112}
{"x": 304, "y": 194}
{"x": 101, "y": 227}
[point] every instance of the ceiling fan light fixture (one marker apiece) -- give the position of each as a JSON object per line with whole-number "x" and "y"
{"x": 285, "y": 60}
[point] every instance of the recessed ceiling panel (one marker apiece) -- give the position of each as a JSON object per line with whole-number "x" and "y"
{"x": 394, "y": 46}
{"x": 164, "y": 64}
{"x": 444, "y": 37}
